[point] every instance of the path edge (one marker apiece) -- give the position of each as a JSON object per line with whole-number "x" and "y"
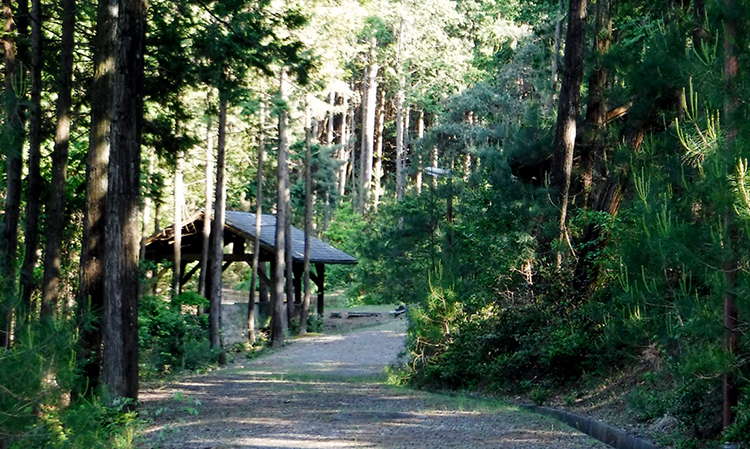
{"x": 603, "y": 432}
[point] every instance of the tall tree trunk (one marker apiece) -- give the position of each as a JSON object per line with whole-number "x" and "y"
{"x": 331, "y": 115}
{"x": 435, "y": 156}
{"x": 120, "y": 371}
{"x": 277, "y": 324}
{"x": 217, "y": 233}
{"x": 556, "y": 52}
{"x": 368, "y": 130}
{"x": 731, "y": 265}
{"x": 157, "y": 212}
{"x": 31, "y": 240}
{"x": 56, "y": 215}
{"x": 602, "y": 187}
{"x": 570, "y": 94}
{"x": 377, "y": 188}
{"x": 90, "y": 296}
{"x": 352, "y": 160}
{"x": 596, "y": 110}
{"x": 420, "y": 135}
{"x": 308, "y": 222}
{"x": 258, "y": 222}
{"x": 205, "y": 253}
{"x": 147, "y": 203}
{"x": 344, "y": 150}
{"x": 288, "y": 260}
{"x": 14, "y": 128}
{"x": 400, "y": 100}
{"x": 179, "y": 200}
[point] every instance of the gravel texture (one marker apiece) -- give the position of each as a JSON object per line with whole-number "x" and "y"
{"x": 328, "y": 392}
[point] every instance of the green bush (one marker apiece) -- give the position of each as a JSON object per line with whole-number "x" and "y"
{"x": 172, "y": 336}
{"x": 37, "y": 376}
{"x": 739, "y": 431}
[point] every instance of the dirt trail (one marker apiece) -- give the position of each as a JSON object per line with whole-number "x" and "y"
{"x": 328, "y": 392}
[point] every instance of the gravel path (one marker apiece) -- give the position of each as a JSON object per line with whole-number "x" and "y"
{"x": 328, "y": 392}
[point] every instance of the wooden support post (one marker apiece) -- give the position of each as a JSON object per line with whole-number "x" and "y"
{"x": 204, "y": 310}
{"x": 298, "y": 273}
{"x": 189, "y": 275}
{"x": 183, "y": 278}
{"x": 264, "y": 283}
{"x": 320, "y": 282}
{"x": 273, "y": 280}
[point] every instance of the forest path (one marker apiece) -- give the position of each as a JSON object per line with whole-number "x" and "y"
{"x": 328, "y": 392}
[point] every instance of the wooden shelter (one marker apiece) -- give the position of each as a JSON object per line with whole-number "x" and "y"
{"x": 239, "y": 232}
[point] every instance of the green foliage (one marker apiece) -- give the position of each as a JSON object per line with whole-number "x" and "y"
{"x": 739, "y": 431}
{"x": 172, "y": 336}
{"x": 86, "y": 424}
{"x": 344, "y": 233}
{"x": 314, "y": 323}
{"x": 37, "y": 375}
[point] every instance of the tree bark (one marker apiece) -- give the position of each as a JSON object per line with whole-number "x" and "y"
{"x": 731, "y": 266}
{"x": 344, "y": 149}
{"x": 288, "y": 263}
{"x": 120, "y": 371}
{"x": 308, "y": 223}
{"x": 420, "y": 135}
{"x": 592, "y": 153}
{"x": 291, "y": 310}
{"x": 56, "y": 215}
{"x": 147, "y": 204}
{"x": 205, "y": 253}
{"x": 90, "y": 296}
{"x": 258, "y": 222}
{"x": 277, "y": 325}
{"x": 331, "y": 115}
{"x": 179, "y": 199}
{"x": 217, "y": 233}
{"x": 400, "y": 100}
{"x": 377, "y": 188}
{"x": 14, "y": 128}
{"x": 556, "y": 52}
{"x": 570, "y": 94}
{"x": 33, "y": 206}
{"x": 368, "y": 131}
{"x": 143, "y": 287}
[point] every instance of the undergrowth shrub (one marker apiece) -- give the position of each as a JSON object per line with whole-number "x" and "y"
{"x": 37, "y": 410}
{"x": 172, "y": 336}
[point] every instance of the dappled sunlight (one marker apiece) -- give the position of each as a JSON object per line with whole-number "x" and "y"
{"x": 296, "y": 442}
{"x": 324, "y": 392}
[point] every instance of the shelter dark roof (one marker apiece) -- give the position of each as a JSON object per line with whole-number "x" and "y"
{"x": 320, "y": 252}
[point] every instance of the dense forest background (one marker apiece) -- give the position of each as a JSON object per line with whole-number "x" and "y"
{"x": 560, "y": 189}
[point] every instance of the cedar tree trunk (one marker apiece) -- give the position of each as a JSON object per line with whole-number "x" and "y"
{"x": 56, "y": 215}
{"x": 258, "y": 222}
{"x": 277, "y": 324}
{"x": 217, "y": 233}
{"x": 120, "y": 370}
{"x": 33, "y": 206}
{"x": 570, "y": 94}
{"x": 90, "y": 295}
{"x": 205, "y": 252}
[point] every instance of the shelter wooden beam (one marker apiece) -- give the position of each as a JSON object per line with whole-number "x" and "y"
{"x": 320, "y": 270}
{"x": 244, "y": 257}
{"x": 190, "y": 274}
{"x": 299, "y": 271}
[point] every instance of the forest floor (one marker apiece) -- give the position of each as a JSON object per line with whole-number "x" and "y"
{"x": 330, "y": 391}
